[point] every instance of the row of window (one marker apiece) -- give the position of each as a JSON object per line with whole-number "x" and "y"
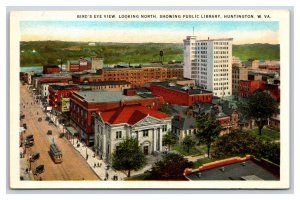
{"x": 220, "y": 88}
{"x": 221, "y": 93}
{"x": 220, "y": 43}
{"x": 218, "y": 47}
{"x": 220, "y": 61}
{"x": 217, "y": 57}
{"x": 220, "y": 52}
{"x": 222, "y": 65}
{"x": 221, "y": 70}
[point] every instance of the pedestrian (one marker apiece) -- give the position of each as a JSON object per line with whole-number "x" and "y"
{"x": 40, "y": 178}
{"x": 106, "y": 175}
{"x": 37, "y": 113}
{"x": 98, "y": 165}
{"x": 94, "y": 165}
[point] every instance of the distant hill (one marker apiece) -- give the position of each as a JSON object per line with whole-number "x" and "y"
{"x": 116, "y": 53}
{"x": 257, "y": 51}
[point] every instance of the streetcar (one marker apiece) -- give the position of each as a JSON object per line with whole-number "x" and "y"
{"x": 55, "y": 153}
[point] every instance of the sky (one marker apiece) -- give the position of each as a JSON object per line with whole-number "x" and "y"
{"x": 243, "y": 32}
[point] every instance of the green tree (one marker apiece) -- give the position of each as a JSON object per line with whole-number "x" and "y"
{"x": 240, "y": 143}
{"x": 169, "y": 139}
{"x": 171, "y": 167}
{"x": 208, "y": 130}
{"x": 260, "y": 106}
{"x": 188, "y": 142}
{"x": 128, "y": 156}
{"x": 165, "y": 109}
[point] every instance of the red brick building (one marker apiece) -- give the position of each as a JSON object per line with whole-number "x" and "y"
{"x": 85, "y": 104}
{"x": 106, "y": 85}
{"x": 57, "y": 92}
{"x": 247, "y": 88}
{"x": 138, "y": 77}
{"x": 50, "y": 69}
{"x": 180, "y": 95}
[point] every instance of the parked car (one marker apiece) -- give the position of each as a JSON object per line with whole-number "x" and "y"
{"x": 29, "y": 144}
{"x": 29, "y": 138}
{"x": 34, "y": 157}
{"x": 39, "y": 169}
{"x": 49, "y": 132}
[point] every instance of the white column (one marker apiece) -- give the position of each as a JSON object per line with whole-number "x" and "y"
{"x": 104, "y": 146}
{"x": 154, "y": 139}
{"x": 160, "y": 140}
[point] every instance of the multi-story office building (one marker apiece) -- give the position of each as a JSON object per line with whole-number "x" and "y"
{"x": 209, "y": 62}
{"x": 238, "y": 73}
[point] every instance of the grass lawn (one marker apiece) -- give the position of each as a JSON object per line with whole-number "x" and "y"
{"x": 267, "y": 133}
{"x": 202, "y": 161}
{"x": 183, "y": 150}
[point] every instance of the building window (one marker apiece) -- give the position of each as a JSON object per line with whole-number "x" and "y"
{"x": 145, "y": 133}
{"x": 118, "y": 134}
{"x": 164, "y": 128}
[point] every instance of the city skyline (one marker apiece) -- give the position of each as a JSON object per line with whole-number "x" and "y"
{"x": 244, "y": 32}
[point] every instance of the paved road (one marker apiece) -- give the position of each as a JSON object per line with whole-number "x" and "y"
{"x": 73, "y": 167}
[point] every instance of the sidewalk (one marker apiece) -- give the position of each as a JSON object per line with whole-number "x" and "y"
{"x": 27, "y": 176}
{"x": 100, "y": 169}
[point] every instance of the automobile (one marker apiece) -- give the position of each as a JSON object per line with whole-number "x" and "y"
{"x": 29, "y": 138}
{"x": 39, "y": 169}
{"x": 29, "y": 144}
{"x": 34, "y": 157}
{"x": 49, "y": 132}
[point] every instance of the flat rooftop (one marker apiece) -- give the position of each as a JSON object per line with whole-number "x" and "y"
{"x": 64, "y": 87}
{"x": 248, "y": 170}
{"x": 181, "y": 88}
{"x": 103, "y": 83}
{"x": 105, "y": 96}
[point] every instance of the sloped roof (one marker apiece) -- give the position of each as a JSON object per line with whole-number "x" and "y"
{"x": 184, "y": 123}
{"x": 130, "y": 115}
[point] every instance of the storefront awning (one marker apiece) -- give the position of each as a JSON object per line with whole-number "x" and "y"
{"x": 71, "y": 130}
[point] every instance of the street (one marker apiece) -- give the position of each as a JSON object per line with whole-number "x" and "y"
{"x": 73, "y": 167}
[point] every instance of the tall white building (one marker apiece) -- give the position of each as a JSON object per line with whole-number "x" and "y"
{"x": 209, "y": 62}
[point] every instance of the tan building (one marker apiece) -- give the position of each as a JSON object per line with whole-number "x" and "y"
{"x": 238, "y": 73}
{"x": 137, "y": 76}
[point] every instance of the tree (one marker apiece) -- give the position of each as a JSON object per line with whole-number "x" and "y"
{"x": 188, "y": 142}
{"x": 165, "y": 109}
{"x": 260, "y": 106}
{"x": 128, "y": 156}
{"x": 169, "y": 139}
{"x": 171, "y": 167}
{"x": 208, "y": 130}
{"x": 240, "y": 143}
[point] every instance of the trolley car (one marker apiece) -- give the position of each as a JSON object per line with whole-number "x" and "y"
{"x": 55, "y": 153}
